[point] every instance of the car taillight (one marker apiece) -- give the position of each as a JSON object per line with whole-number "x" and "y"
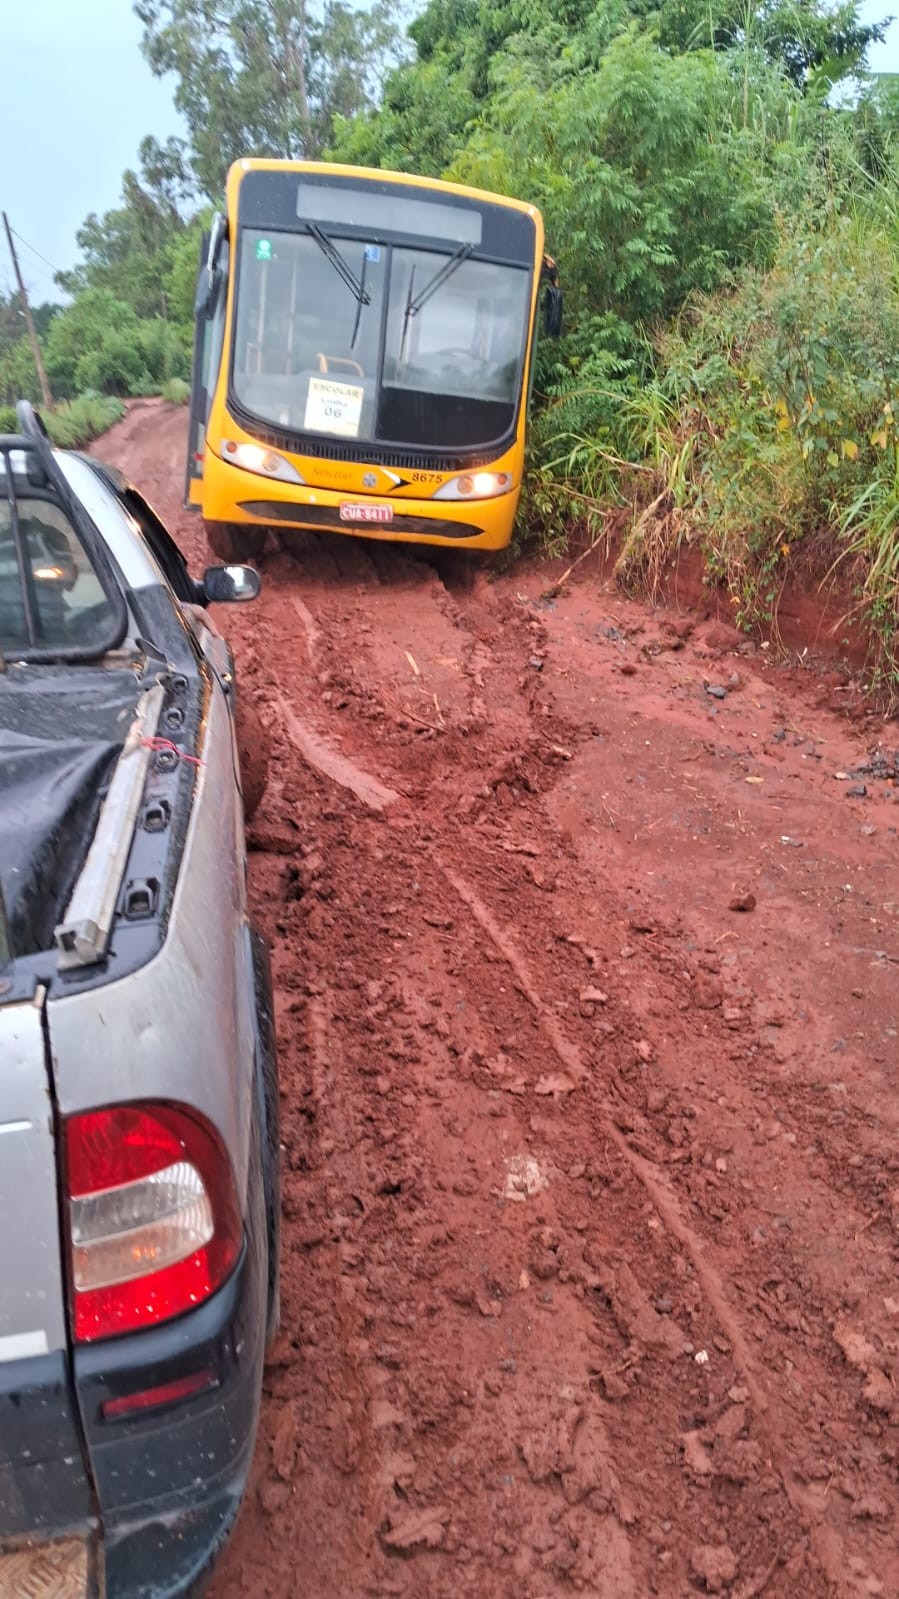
{"x": 154, "y": 1223}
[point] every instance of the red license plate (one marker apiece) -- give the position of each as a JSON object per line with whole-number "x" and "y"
{"x": 366, "y": 513}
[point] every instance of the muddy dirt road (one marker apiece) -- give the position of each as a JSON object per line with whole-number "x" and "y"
{"x": 585, "y": 924}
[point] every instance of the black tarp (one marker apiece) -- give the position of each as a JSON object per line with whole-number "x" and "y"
{"x": 61, "y": 731}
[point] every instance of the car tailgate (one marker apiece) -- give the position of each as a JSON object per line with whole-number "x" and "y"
{"x": 44, "y": 1487}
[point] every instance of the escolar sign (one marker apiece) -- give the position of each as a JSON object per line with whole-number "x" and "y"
{"x": 334, "y": 407}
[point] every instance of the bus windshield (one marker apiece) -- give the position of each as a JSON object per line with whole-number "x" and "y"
{"x": 350, "y": 339}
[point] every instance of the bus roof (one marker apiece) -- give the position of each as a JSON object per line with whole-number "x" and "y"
{"x": 371, "y": 175}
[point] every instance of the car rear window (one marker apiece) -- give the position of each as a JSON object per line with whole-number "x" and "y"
{"x": 52, "y": 599}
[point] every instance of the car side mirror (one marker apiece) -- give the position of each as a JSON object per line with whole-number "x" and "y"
{"x": 552, "y": 311}
{"x": 226, "y": 585}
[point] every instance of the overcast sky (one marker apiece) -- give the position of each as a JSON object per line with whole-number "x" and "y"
{"x": 78, "y": 98}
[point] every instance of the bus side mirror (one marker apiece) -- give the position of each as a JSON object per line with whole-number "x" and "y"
{"x": 552, "y": 311}
{"x": 209, "y": 287}
{"x": 201, "y": 298}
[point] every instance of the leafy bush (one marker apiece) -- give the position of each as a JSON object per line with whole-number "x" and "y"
{"x": 649, "y": 189}
{"x": 116, "y": 365}
{"x": 78, "y": 336}
{"x": 74, "y": 422}
{"x": 176, "y": 391}
{"x": 99, "y": 343}
{"x": 18, "y": 376}
{"x": 766, "y": 434}
{"x": 78, "y": 422}
{"x": 165, "y": 351}
{"x": 788, "y": 388}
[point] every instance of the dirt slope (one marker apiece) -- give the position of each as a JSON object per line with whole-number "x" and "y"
{"x": 587, "y": 969}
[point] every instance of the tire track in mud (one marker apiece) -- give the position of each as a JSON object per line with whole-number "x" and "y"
{"x": 312, "y": 747}
{"x": 555, "y": 1465}
{"x": 833, "y": 1556}
{"x": 828, "y": 1547}
{"x": 847, "y": 1570}
{"x": 639, "y": 1308}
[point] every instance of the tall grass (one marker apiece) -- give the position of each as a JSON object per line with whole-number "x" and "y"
{"x": 765, "y": 430}
{"x": 870, "y": 529}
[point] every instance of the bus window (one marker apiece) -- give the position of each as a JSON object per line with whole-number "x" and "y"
{"x": 303, "y": 336}
{"x": 307, "y": 342}
{"x": 451, "y": 369}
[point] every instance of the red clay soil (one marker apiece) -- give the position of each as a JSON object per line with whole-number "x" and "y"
{"x": 585, "y": 928}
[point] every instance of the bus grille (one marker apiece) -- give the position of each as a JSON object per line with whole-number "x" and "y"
{"x": 366, "y": 454}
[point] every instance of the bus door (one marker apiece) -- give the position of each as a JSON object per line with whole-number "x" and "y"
{"x": 209, "y": 322}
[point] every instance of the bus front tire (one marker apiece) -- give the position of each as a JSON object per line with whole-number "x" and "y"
{"x": 234, "y": 543}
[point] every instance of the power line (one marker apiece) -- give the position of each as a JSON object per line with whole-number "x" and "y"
{"x": 35, "y": 252}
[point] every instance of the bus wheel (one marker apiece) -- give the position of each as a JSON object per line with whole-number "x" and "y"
{"x": 234, "y": 543}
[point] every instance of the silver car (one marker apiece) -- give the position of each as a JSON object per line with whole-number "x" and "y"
{"x": 138, "y": 1092}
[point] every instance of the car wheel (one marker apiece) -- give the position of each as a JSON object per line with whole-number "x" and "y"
{"x": 234, "y": 543}
{"x": 254, "y": 751}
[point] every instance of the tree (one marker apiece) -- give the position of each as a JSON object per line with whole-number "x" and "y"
{"x": 99, "y": 342}
{"x": 429, "y": 105}
{"x": 266, "y": 77}
{"x": 800, "y": 37}
{"x": 650, "y": 191}
{"x": 465, "y": 47}
{"x": 12, "y": 321}
{"x": 129, "y": 249}
{"x": 18, "y": 376}
{"x": 80, "y": 331}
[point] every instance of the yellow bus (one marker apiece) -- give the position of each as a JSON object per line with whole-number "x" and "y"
{"x": 363, "y": 357}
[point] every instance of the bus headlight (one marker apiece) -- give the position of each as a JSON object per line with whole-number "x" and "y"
{"x": 256, "y": 458}
{"x": 475, "y": 486}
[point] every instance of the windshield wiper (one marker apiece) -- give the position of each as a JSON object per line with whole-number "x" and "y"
{"x": 364, "y": 299}
{"x": 437, "y": 281}
{"x": 329, "y": 249}
{"x": 413, "y": 306}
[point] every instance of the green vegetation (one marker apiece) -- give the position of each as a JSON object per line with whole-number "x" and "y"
{"x": 267, "y": 77}
{"x": 720, "y": 186}
{"x": 74, "y": 423}
{"x": 128, "y": 326}
{"x": 758, "y": 422}
{"x": 719, "y": 182}
{"x": 176, "y": 391}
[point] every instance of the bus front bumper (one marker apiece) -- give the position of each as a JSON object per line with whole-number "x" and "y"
{"x": 233, "y": 495}
{"x": 485, "y": 524}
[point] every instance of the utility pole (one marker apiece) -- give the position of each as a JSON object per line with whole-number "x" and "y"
{"x": 35, "y": 347}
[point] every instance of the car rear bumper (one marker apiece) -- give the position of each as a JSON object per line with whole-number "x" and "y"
{"x": 169, "y": 1481}
{"x": 166, "y": 1482}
